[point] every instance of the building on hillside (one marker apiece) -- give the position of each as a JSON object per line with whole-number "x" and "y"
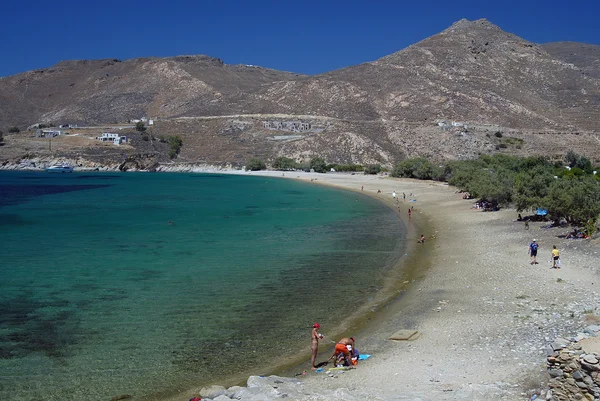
{"x": 47, "y": 133}
{"x": 144, "y": 120}
{"x": 294, "y": 126}
{"x": 114, "y": 138}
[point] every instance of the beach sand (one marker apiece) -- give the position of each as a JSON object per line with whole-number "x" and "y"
{"x": 483, "y": 313}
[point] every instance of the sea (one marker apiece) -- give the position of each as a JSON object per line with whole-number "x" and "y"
{"x": 147, "y": 284}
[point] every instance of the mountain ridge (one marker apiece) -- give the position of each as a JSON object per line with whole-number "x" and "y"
{"x": 472, "y": 73}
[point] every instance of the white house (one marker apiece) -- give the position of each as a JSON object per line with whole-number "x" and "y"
{"x": 47, "y": 133}
{"x": 114, "y": 138}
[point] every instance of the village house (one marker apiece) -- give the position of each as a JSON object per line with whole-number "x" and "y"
{"x": 144, "y": 120}
{"x": 47, "y": 133}
{"x": 295, "y": 126}
{"x": 114, "y": 138}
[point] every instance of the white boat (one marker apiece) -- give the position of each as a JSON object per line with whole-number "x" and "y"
{"x": 60, "y": 168}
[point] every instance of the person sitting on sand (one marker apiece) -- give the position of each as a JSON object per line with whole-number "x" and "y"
{"x": 343, "y": 350}
{"x": 316, "y": 336}
{"x": 422, "y": 239}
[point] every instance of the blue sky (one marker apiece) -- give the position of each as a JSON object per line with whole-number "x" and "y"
{"x": 300, "y": 36}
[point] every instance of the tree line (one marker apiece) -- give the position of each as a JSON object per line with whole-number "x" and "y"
{"x": 316, "y": 164}
{"x": 567, "y": 189}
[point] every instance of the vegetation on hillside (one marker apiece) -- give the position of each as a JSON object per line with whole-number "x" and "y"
{"x": 14, "y": 130}
{"x": 140, "y": 126}
{"x": 285, "y": 164}
{"x": 256, "y": 164}
{"x": 570, "y": 192}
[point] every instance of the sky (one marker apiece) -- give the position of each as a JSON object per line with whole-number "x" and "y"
{"x": 306, "y": 37}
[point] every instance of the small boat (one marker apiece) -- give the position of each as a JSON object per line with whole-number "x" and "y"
{"x": 60, "y": 168}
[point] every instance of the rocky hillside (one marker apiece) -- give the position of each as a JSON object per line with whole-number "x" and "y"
{"x": 445, "y": 97}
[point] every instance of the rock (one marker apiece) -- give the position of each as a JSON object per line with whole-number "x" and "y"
{"x": 593, "y": 328}
{"x": 555, "y": 372}
{"x": 582, "y": 385}
{"x": 222, "y": 398}
{"x": 590, "y": 358}
{"x": 558, "y": 345}
{"x": 577, "y": 375}
{"x": 212, "y": 391}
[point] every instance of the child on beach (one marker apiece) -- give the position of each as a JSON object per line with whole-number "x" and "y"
{"x": 316, "y": 336}
{"x": 555, "y": 258}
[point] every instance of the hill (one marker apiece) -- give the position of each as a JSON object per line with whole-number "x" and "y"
{"x": 470, "y": 89}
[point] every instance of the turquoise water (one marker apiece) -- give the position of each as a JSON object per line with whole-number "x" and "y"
{"x": 152, "y": 283}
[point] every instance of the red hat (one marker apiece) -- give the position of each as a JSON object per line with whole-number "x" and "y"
{"x": 316, "y": 326}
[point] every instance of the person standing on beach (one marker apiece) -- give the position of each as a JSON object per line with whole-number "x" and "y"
{"x": 533, "y": 248}
{"x": 316, "y": 336}
{"x": 555, "y": 258}
{"x": 409, "y": 212}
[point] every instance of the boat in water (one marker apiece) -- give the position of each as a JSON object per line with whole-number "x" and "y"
{"x": 60, "y": 168}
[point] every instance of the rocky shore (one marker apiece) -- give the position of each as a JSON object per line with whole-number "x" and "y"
{"x": 137, "y": 162}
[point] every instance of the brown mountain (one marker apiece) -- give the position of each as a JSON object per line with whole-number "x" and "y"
{"x": 582, "y": 55}
{"x": 444, "y": 97}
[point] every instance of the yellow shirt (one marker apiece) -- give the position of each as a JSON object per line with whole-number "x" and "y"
{"x": 555, "y": 252}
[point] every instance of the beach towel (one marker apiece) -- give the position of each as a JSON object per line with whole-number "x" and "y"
{"x": 362, "y": 357}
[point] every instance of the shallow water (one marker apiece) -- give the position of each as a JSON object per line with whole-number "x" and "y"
{"x": 145, "y": 283}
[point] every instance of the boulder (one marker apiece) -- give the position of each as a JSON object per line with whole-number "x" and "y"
{"x": 212, "y": 391}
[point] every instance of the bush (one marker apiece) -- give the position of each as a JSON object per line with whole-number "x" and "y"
{"x": 1, "y": 137}
{"x": 318, "y": 165}
{"x": 498, "y": 134}
{"x": 175, "y": 144}
{"x": 140, "y": 126}
{"x": 372, "y": 168}
{"x": 14, "y": 130}
{"x": 255, "y": 165}
{"x": 414, "y": 168}
{"x": 285, "y": 164}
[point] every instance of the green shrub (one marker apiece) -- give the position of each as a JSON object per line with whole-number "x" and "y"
{"x": 418, "y": 167}
{"x": 256, "y": 164}
{"x": 318, "y": 165}
{"x": 285, "y": 164}
{"x": 372, "y": 168}
{"x": 14, "y": 130}
{"x": 175, "y": 144}
{"x": 498, "y": 134}
{"x": 140, "y": 126}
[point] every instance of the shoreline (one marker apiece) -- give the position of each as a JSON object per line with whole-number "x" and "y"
{"x": 358, "y": 322}
{"x": 484, "y": 314}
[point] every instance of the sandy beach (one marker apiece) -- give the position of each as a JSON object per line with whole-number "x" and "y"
{"x": 484, "y": 314}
